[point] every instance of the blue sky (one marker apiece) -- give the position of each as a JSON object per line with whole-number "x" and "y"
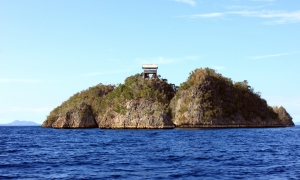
{"x": 49, "y": 50}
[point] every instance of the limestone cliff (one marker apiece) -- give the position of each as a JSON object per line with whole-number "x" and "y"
{"x": 138, "y": 103}
{"x": 284, "y": 116}
{"x": 81, "y": 117}
{"x": 80, "y": 109}
{"x": 208, "y": 99}
{"x": 138, "y": 114}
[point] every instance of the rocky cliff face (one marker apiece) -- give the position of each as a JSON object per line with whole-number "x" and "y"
{"x": 207, "y": 99}
{"x": 80, "y": 117}
{"x": 138, "y": 114}
{"x": 138, "y": 103}
{"x": 80, "y": 109}
{"x": 48, "y": 124}
{"x": 284, "y": 116}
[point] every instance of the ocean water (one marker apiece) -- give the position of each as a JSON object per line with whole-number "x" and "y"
{"x": 246, "y": 153}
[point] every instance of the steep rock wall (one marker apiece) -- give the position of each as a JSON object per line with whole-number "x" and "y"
{"x": 81, "y": 117}
{"x": 139, "y": 114}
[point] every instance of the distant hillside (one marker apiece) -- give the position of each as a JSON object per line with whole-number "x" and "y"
{"x": 21, "y": 123}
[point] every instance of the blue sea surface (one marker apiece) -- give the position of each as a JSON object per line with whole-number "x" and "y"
{"x": 246, "y": 153}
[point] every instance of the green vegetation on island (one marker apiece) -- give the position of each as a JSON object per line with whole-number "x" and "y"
{"x": 136, "y": 87}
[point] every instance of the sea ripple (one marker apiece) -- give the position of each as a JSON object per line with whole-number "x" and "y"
{"x": 245, "y": 153}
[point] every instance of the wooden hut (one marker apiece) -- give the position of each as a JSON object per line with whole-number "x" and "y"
{"x": 150, "y": 69}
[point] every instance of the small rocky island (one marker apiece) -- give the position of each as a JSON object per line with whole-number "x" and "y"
{"x": 205, "y": 100}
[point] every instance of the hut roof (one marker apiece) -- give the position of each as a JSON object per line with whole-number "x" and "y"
{"x": 150, "y": 66}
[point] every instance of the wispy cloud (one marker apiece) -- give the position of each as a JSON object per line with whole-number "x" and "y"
{"x": 218, "y": 67}
{"x": 273, "y": 55}
{"x": 190, "y": 58}
{"x": 208, "y": 15}
{"x": 265, "y": 0}
{"x": 35, "y": 81}
{"x": 104, "y": 72}
{"x": 11, "y": 80}
{"x": 235, "y": 7}
{"x": 26, "y": 110}
{"x": 190, "y": 2}
{"x": 291, "y": 104}
{"x": 276, "y": 17}
{"x": 156, "y": 60}
{"x": 164, "y": 60}
{"x": 30, "y": 81}
{"x": 115, "y": 60}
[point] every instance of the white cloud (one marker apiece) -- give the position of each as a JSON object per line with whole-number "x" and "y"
{"x": 276, "y": 17}
{"x": 11, "y": 80}
{"x": 104, "y": 72}
{"x": 272, "y": 55}
{"x": 218, "y": 67}
{"x": 283, "y": 101}
{"x": 291, "y": 104}
{"x": 243, "y": 7}
{"x": 190, "y": 2}
{"x": 191, "y": 57}
{"x": 26, "y": 110}
{"x": 156, "y": 60}
{"x": 208, "y": 15}
{"x": 164, "y": 60}
{"x": 115, "y": 60}
{"x": 265, "y": 0}
{"x": 296, "y": 117}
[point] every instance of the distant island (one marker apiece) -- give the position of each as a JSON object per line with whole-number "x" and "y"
{"x": 21, "y": 123}
{"x": 205, "y": 100}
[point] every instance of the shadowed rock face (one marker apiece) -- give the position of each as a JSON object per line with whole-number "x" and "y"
{"x": 139, "y": 114}
{"x": 82, "y": 117}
